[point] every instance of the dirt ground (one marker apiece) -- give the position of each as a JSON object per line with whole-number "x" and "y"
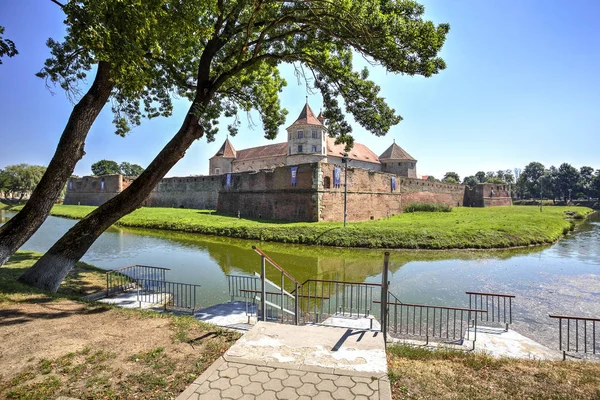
{"x": 63, "y": 347}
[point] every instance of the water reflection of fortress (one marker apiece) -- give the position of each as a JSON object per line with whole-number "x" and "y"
{"x": 301, "y": 179}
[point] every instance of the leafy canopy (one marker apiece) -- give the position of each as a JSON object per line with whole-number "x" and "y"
{"x": 20, "y": 178}
{"x": 105, "y": 167}
{"x": 238, "y": 65}
{"x": 7, "y": 46}
{"x": 142, "y": 42}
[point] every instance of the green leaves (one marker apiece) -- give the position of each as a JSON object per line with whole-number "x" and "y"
{"x": 7, "y": 46}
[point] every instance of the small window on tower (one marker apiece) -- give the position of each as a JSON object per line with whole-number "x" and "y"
{"x": 290, "y": 150}
{"x": 300, "y": 134}
{"x": 299, "y": 148}
{"x": 102, "y": 184}
{"x": 314, "y": 149}
{"x": 315, "y": 134}
{"x": 217, "y": 171}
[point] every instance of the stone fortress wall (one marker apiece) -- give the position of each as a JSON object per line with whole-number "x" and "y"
{"x": 269, "y": 193}
{"x": 95, "y": 190}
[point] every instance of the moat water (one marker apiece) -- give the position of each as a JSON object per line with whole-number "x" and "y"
{"x": 560, "y": 279}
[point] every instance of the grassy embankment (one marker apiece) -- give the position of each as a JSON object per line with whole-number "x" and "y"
{"x": 53, "y": 345}
{"x": 462, "y": 228}
{"x": 417, "y": 373}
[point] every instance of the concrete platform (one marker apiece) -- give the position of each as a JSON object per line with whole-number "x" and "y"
{"x": 232, "y": 315}
{"x": 129, "y": 300}
{"x": 500, "y": 343}
{"x": 275, "y": 361}
{"x": 313, "y": 345}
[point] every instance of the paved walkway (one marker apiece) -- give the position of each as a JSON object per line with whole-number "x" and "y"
{"x": 274, "y": 361}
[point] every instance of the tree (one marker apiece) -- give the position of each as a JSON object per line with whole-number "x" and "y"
{"x": 596, "y": 185}
{"x": 470, "y": 181}
{"x": 105, "y": 167}
{"x": 7, "y": 46}
{"x": 129, "y": 169}
{"x": 480, "y": 176}
{"x": 531, "y": 175}
{"x": 451, "y": 177}
{"x": 137, "y": 47}
{"x": 20, "y": 179}
{"x": 566, "y": 180}
{"x": 586, "y": 180}
{"x": 509, "y": 177}
{"x": 236, "y": 71}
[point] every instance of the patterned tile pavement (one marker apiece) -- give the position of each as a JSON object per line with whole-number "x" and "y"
{"x": 234, "y": 378}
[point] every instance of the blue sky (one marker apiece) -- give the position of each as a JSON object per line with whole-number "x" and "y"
{"x": 522, "y": 85}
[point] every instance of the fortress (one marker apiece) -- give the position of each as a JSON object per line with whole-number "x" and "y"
{"x": 299, "y": 180}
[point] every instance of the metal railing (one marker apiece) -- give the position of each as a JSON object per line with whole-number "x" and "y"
{"x": 123, "y": 279}
{"x": 498, "y": 307}
{"x": 434, "y": 323}
{"x": 283, "y": 306}
{"x": 175, "y": 295}
{"x": 321, "y": 299}
{"x": 580, "y": 335}
{"x": 240, "y": 285}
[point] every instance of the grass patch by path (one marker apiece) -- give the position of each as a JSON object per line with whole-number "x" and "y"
{"x": 55, "y": 346}
{"x": 462, "y": 228}
{"x": 417, "y": 373}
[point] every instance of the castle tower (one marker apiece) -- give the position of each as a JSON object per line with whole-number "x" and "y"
{"x": 221, "y": 163}
{"x": 396, "y": 160}
{"x": 307, "y": 138}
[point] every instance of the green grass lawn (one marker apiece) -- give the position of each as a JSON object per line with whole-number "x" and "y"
{"x": 462, "y": 228}
{"x": 54, "y": 345}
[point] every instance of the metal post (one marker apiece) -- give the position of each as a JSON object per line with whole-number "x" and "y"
{"x": 296, "y": 306}
{"x": 345, "y": 161}
{"x": 263, "y": 294}
{"x": 384, "y": 295}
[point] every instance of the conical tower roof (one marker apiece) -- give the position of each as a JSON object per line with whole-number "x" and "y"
{"x": 395, "y": 152}
{"x": 307, "y": 117}
{"x": 227, "y": 150}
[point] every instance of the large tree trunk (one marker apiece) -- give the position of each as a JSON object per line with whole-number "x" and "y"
{"x": 53, "y": 267}
{"x": 69, "y": 150}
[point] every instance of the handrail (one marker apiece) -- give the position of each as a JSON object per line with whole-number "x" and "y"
{"x": 571, "y": 317}
{"x": 135, "y": 265}
{"x": 491, "y": 294}
{"x": 345, "y": 282}
{"x": 433, "y": 306}
{"x": 279, "y": 294}
{"x": 273, "y": 263}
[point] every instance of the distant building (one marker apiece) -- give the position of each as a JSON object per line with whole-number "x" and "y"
{"x": 307, "y": 142}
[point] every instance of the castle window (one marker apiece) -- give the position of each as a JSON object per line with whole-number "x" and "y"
{"x": 70, "y": 185}
{"x": 300, "y": 148}
{"x": 217, "y": 171}
{"x": 323, "y": 149}
{"x": 102, "y": 184}
{"x": 300, "y": 134}
{"x": 326, "y": 182}
{"x": 315, "y": 134}
{"x": 290, "y": 149}
{"x": 412, "y": 165}
{"x": 314, "y": 149}
{"x": 399, "y": 164}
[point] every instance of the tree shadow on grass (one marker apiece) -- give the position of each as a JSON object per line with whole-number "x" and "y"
{"x": 17, "y": 314}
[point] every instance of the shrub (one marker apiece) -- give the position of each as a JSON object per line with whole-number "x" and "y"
{"x": 427, "y": 207}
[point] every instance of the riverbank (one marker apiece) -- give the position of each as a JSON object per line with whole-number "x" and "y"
{"x": 462, "y": 228}
{"x": 55, "y": 345}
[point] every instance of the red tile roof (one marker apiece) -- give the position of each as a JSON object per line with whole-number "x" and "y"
{"x": 269, "y": 150}
{"x": 359, "y": 152}
{"x": 307, "y": 117}
{"x": 227, "y": 150}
